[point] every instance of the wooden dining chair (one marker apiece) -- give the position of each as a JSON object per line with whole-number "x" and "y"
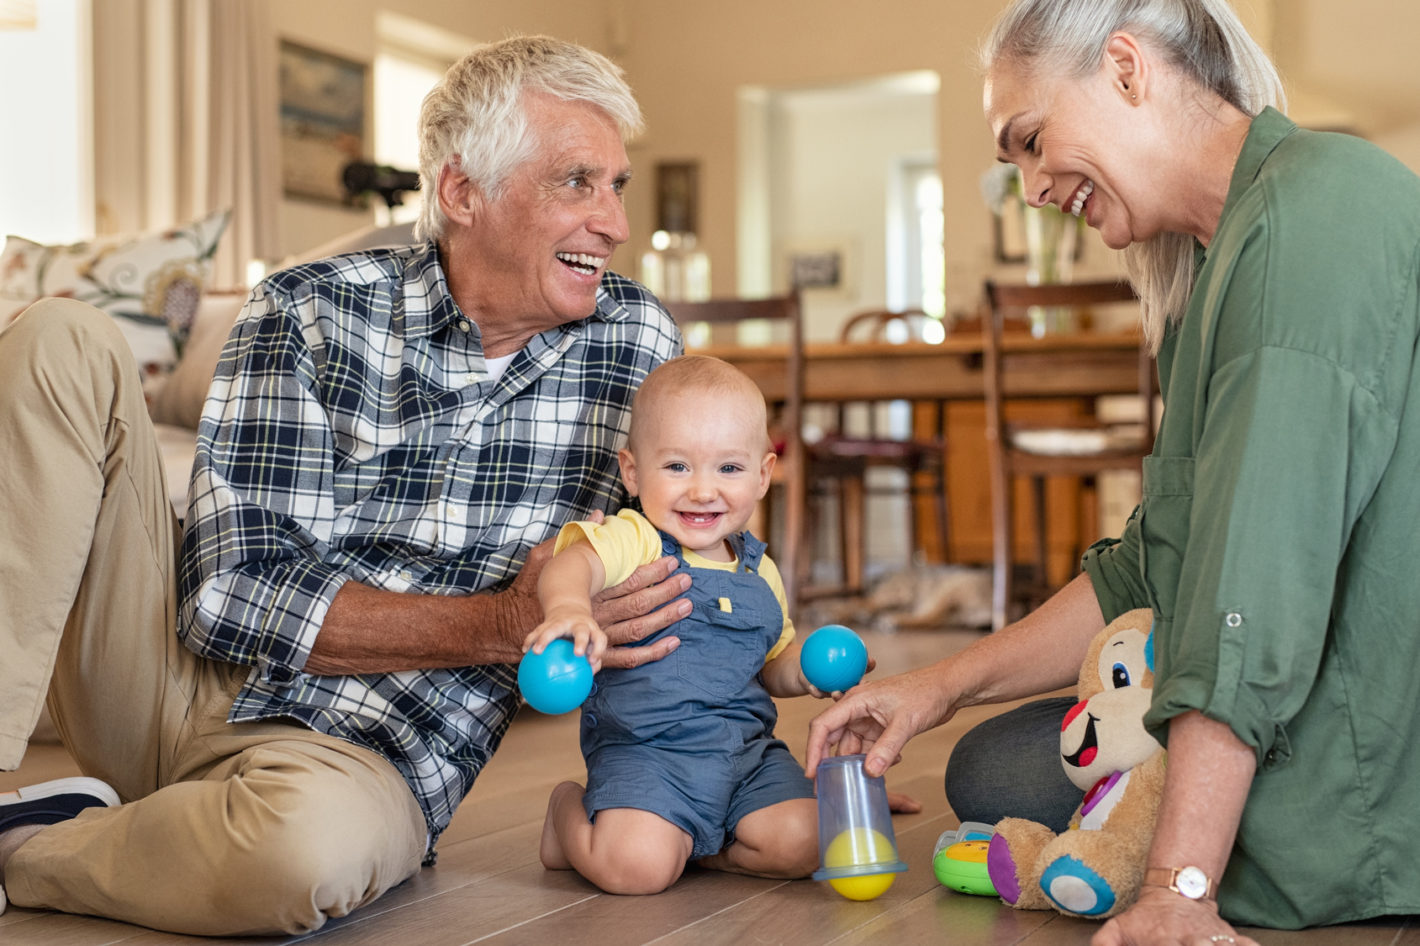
{"x": 841, "y": 462}
{"x": 788, "y": 500}
{"x": 1081, "y": 448}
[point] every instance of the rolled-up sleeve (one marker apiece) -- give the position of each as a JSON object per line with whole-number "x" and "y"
{"x": 1113, "y": 567}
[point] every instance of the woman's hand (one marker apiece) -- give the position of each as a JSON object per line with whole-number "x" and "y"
{"x": 1163, "y": 918}
{"x": 879, "y": 718}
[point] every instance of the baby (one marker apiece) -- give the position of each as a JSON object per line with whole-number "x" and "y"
{"x": 682, "y": 763}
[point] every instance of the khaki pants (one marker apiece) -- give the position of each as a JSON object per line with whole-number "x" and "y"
{"x": 226, "y": 829}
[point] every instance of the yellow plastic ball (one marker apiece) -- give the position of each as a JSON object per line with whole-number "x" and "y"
{"x": 858, "y": 846}
{"x": 854, "y": 848}
{"x": 866, "y": 887}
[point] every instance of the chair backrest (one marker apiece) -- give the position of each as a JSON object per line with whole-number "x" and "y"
{"x": 1011, "y": 301}
{"x": 886, "y": 325}
{"x": 891, "y": 325}
{"x": 790, "y": 554}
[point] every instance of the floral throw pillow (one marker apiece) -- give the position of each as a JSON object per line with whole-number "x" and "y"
{"x": 150, "y": 283}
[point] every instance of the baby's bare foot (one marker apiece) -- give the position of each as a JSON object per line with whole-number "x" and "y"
{"x": 550, "y": 850}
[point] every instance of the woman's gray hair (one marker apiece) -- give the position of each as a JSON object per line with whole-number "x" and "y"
{"x": 476, "y": 114}
{"x": 1204, "y": 38}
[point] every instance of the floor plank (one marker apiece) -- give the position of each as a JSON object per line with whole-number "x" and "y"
{"x": 488, "y": 886}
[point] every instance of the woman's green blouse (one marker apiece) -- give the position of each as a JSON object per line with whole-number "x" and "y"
{"x": 1278, "y": 539}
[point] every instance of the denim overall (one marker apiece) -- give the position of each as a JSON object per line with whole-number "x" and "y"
{"x": 691, "y": 737}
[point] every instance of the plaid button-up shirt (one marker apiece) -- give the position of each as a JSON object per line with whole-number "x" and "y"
{"x": 353, "y": 432}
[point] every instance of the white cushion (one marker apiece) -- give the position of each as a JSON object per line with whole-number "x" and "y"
{"x": 151, "y": 283}
{"x": 1065, "y": 442}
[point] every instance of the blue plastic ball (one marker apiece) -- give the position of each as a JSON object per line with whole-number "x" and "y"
{"x": 556, "y": 680}
{"x": 834, "y": 658}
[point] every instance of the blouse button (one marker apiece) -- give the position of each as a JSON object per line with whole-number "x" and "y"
{"x": 1233, "y": 619}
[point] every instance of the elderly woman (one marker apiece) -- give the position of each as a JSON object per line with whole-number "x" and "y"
{"x": 1278, "y": 271}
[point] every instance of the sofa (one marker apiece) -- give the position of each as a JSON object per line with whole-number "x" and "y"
{"x": 175, "y": 404}
{"x": 154, "y": 284}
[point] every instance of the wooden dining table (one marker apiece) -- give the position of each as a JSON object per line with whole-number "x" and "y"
{"x": 950, "y": 370}
{"x": 950, "y": 374}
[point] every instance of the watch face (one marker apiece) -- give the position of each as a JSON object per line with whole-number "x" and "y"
{"x": 1192, "y": 883}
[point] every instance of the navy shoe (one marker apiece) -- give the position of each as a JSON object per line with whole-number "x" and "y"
{"x": 54, "y": 801}
{"x": 51, "y": 802}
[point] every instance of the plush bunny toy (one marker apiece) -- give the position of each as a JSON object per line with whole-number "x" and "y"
{"x": 1096, "y": 867}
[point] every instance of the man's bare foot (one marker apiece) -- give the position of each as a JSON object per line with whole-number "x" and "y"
{"x": 550, "y": 850}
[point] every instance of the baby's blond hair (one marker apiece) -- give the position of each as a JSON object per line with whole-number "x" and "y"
{"x": 719, "y": 383}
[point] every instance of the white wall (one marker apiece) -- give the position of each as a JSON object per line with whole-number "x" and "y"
{"x": 830, "y": 190}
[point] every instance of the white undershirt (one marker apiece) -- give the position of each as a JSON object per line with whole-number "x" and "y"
{"x": 496, "y": 366}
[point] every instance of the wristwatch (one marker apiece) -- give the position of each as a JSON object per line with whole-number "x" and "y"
{"x": 1188, "y": 882}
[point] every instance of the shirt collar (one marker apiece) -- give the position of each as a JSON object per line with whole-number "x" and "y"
{"x": 428, "y": 305}
{"x": 1266, "y": 132}
{"x": 1268, "y": 129}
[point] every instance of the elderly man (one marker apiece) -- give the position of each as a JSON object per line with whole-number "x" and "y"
{"x": 390, "y": 441}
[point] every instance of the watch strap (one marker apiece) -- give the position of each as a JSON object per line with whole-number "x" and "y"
{"x": 1168, "y": 877}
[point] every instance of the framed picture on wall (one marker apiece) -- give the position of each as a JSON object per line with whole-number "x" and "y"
{"x": 825, "y": 267}
{"x": 323, "y": 120}
{"x": 677, "y": 196}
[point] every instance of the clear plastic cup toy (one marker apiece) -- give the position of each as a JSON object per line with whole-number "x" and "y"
{"x": 857, "y": 849}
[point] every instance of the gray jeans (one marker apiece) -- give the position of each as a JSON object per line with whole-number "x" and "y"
{"x": 1009, "y": 767}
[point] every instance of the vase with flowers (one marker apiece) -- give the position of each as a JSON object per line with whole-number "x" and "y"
{"x": 1050, "y": 237}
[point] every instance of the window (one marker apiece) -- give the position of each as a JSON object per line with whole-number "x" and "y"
{"x": 410, "y": 58}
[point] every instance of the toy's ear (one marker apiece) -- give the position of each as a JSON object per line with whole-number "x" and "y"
{"x": 1090, "y": 683}
{"x": 1093, "y": 678}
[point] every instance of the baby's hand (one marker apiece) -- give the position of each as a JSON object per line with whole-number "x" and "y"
{"x": 587, "y": 637}
{"x": 818, "y": 694}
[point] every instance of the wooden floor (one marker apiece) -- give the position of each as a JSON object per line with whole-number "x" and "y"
{"x": 488, "y": 886}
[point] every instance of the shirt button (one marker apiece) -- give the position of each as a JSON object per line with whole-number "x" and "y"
{"x": 470, "y": 378}
{"x": 1233, "y": 619}
{"x": 463, "y": 326}
{"x": 407, "y": 575}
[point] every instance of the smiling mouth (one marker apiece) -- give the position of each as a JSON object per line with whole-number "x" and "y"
{"x": 584, "y": 263}
{"x": 1089, "y": 746}
{"x": 700, "y": 518}
{"x": 1083, "y": 194}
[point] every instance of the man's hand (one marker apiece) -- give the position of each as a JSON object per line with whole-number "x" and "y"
{"x": 638, "y": 607}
